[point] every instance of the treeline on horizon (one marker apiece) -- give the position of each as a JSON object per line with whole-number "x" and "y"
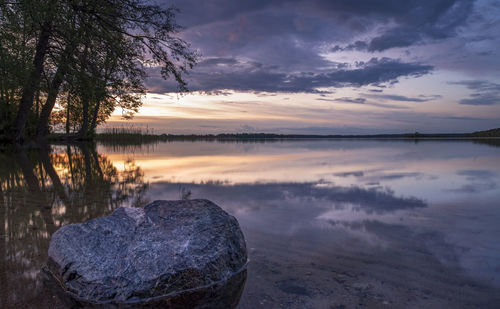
{"x": 69, "y": 64}
{"x": 136, "y": 134}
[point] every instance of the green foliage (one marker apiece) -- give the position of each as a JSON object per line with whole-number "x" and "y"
{"x": 488, "y": 133}
{"x": 95, "y": 61}
{"x": 16, "y": 51}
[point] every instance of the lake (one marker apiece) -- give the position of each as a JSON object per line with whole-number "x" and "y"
{"x": 328, "y": 223}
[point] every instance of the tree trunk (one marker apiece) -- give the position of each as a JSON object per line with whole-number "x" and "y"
{"x": 32, "y": 83}
{"x": 93, "y": 124}
{"x": 68, "y": 114}
{"x": 43, "y": 123}
{"x": 37, "y": 104}
{"x": 82, "y": 134}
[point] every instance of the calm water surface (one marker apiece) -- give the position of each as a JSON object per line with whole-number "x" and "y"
{"x": 328, "y": 223}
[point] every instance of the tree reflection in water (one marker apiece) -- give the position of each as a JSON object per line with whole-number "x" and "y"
{"x": 44, "y": 189}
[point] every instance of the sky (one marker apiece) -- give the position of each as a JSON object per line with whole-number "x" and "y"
{"x": 332, "y": 67}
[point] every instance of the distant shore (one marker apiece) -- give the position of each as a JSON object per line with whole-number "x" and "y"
{"x": 124, "y": 135}
{"x": 265, "y": 136}
{"x": 135, "y": 136}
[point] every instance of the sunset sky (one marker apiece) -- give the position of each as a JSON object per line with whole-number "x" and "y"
{"x": 332, "y": 67}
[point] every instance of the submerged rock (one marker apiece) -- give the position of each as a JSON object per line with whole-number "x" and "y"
{"x": 170, "y": 251}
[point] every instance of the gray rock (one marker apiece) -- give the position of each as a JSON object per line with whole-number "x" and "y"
{"x": 168, "y": 249}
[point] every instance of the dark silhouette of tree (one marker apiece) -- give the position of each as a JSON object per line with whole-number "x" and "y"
{"x": 95, "y": 51}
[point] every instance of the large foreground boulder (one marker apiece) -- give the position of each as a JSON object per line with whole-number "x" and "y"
{"x": 169, "y": 250}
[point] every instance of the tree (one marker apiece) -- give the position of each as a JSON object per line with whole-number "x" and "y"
{"x": 16, "y": 54}
{"x": 43, "y": 13}
{"x": 98, "y": 48}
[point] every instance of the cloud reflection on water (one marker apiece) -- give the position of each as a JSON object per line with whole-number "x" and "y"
{"x": 395, "y": 197}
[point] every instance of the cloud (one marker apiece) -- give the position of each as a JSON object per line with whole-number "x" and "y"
{"x": 258, "y": 29}
{"x": 295, "y": 34}
{"x": 393, "y": 176}
{"x": 402, "y": 98}
{"x": 484, "y": 92}
{"x": 348, "y": 174}
{"x": 362, "y": 101}
{"x": 478, "y": 85}
{"x": 348, "y": 100}
{"x": 215, "y": 74}
{"x": 285, "y": 46}
{"x": 358, "y": 46}
{"x": 464, "y": 118}
{"x": 481, "y": 99}
{"x": 477, "y": 174}
{"x": 414, "y": 22}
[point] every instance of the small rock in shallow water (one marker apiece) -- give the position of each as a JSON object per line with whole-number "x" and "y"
{"x": 135, "y": 255}
{"x": 360, "y": 285}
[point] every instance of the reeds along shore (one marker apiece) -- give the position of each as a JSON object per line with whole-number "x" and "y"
{"x": 130, "y": 134}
